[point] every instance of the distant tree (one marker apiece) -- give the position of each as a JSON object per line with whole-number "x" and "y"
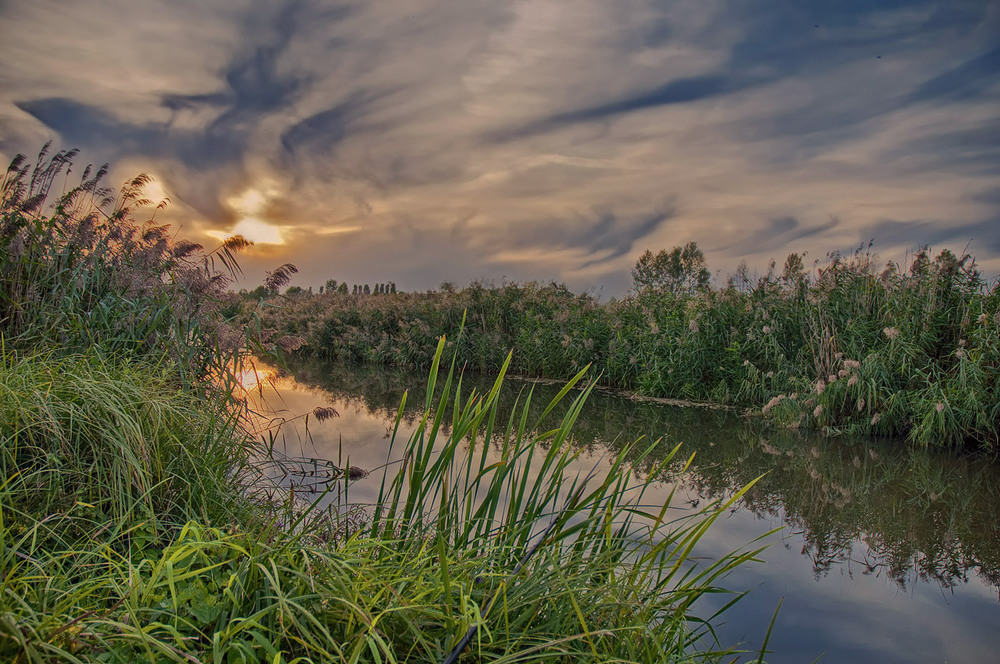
{"x": 258, "y": 293}
{"x": 295, "y": 290}
{"x": 342, "y": 288}
{"x": 392, "y": 287}
{"x": 368, "y": 291}
{"x": 681, "y": 271}
{"x": 355, "y": 291}
{"x": 320, "y": 290}
{"x": 447, "y": 287}
{"x": 648, "y": 269}
{"x": 331, "y": 285}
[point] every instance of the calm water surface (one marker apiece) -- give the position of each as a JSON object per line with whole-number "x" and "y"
{"x": 883, "y": 555}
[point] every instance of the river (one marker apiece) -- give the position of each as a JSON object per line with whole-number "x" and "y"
{"x": 882, "y": 553}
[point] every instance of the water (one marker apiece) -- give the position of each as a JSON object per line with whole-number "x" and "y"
{"x": 883, "y": 554}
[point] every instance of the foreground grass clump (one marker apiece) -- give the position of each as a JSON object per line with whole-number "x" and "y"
{"x": 121, "y": 440}
{"x": 907, "y": 352}
{"x": 136, "y": 539}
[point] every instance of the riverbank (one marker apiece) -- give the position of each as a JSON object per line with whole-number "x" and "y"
{"x": 905, "y": 352}
{"x": 139, "y": 523}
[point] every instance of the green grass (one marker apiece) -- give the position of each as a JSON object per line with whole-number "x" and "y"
{"x": 130, "y": 534}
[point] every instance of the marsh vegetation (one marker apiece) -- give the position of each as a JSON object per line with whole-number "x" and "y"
{"x": 908, "y": 352}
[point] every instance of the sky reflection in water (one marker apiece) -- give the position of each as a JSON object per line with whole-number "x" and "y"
{"x": 886, "y": 555}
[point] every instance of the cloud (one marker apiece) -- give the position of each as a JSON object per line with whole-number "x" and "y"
{"x": 600, "y": 236}
{"x": 977, "y": 235}
{"x": 966, "y": 81}
{"x": 80, "y": 124}
{"x": 531, "y": 138}
{"x": 680, "y": 91}
{"x": 782, "y": 232}
{"x": 321, "y": 132}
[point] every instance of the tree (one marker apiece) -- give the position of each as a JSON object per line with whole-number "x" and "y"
{"x": 258, "y": 293}
{"x": 681, "y": 271}
{"x": 342, "y": 288}
{"x": 331, "y": 285}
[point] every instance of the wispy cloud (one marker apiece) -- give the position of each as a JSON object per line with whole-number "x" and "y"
{"x": 423, "y": 140}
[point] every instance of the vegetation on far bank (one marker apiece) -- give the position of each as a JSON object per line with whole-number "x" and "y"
{"x": 139, "y": 524}
{"x": 902, "y": 351}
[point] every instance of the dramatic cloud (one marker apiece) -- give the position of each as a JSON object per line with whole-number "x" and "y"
{"x": 427, "y": 140}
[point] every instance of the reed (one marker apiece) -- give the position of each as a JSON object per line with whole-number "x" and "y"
{"x": 906, "y": 352}
{"x": 77, "y": 272}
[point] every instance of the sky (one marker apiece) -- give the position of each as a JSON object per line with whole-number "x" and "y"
{"x": 419, "y": 141}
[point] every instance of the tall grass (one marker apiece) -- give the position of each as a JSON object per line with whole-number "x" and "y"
{"x": 911, "y": 353}
{"x": 77, "y": 272}
{"x": 113, "y": 437}
{"x": 132, "y": 543}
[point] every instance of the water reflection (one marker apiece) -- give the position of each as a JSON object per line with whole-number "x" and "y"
{"x": 920, "y": 515}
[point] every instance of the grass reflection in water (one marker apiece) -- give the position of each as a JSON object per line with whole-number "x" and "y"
{"x": 905, "y": 514}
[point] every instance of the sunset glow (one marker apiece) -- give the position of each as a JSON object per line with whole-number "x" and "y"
{"x": 257, "y": 231}
{"x": 155, "y": 192}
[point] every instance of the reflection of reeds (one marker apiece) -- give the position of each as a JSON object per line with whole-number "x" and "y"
{"x": 919, "y": 515}
{"x": 879, "y": 492}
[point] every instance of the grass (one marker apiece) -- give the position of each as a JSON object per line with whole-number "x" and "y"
{"x": 911, "y": 353}
{"x": 137, "y": 526}
{"x": 132, "y": 543}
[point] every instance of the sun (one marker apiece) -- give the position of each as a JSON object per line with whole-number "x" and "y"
{"x": 257, "y": 231}
{"x": 155, "y": 192}
{"x": 249, "y": 206}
